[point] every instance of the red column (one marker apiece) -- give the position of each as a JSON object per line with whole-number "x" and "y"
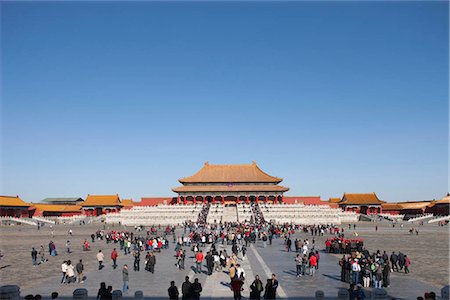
{"x": 246, "y": 199}
{"x": 223, "y": 199}
{"x": 184, "y": 200}
{"x": 178, "y": 199}
{"x": 257, "y": 199}
{"x": 213, "y": 200}
{"x": 282, "y": 198}
{"x": 204, "y": 200}
{"x": 237, "y": 200}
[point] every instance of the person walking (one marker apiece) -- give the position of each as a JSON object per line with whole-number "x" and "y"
{"x": 209, "y": 262}
{"x": 198, "y": 262}
{"x": 366, "y": 273}
{"x": 317, "y": 254}
{"x": 186, "y": 289}
{"x": 386, "y": 275}
{"x": 137, "y": 260}
{"x": 114, "y": 256}
{"x": 102, "y": 292}
{"x": 217, "y": 266}
{"x": 312, "y": 264}
{"x": 64, "y": 271}
{"x": 256, "y": 288}
{"x": 42, "y": 255}
{"x": 181, "y": 259}
{"x": 236, "y": 287}
{"x": 151, "y": 263}
{"x": 68, "y": 247}
{"x": 271, "y": 288}
{"x": 125, "y": 278}
{"x": 394, "y": 260}
{"x": 70, "y": 272}
{"x": 196, "y": 289}
{"x": 34, "y": 254}
{"x": 401, "y": 260}
{"x": 288, "y": 245}
{"x": 356, "y": 269}
{"x": 100, "y": 258}
{"x": 298, "y": 264}
{"x": 407, "y": 264}
{"x": 80, "y": 268}
{"x": 173, "y": 291}
{"x": 232, "y": 272}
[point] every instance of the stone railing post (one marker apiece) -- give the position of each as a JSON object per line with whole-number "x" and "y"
{"x": 379, "y": 294}
{"x": 342, "y": 294}
{"x": 9, "y": 292}
{"x": 80, "y": 294}
{"x": 445, "y": 293}
{"x": 320, "y": 295}
{"x": 117, "y": 295}
{"x": 138, "y": 295}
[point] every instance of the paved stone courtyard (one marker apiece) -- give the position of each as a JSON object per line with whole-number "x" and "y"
{"x": 428, "y": 252}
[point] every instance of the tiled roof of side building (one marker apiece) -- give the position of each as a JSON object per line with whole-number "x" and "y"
{"x": 12, "y": 201}
{"x": 334, "y": 200}
{"x": 127, "y": 202}
{"x": 414, "y": 205}
{"x": 391, "y": 206}
{"x": 57, "y": 208}
{"x": 102, "y": 200}
{"x": 230, "y": 188}
{"x": 61, "y": 199}
{"x": 230, "y": 173}
{"x": 369, "y": 198}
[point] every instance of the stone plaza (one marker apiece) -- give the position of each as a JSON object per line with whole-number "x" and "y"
{"x": 428, "y": 252}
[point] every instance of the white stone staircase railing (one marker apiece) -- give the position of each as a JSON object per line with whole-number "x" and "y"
{"x": 419, "y": 218}
{"x": 44, "y": 220}
{"x": 19, "y": 220}
{"x": 440, "y": 219}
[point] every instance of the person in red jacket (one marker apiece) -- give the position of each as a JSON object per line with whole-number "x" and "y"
{"x": 312, "y": 264}
{"x": 328, "y": 245}
{"x": 198, "y": 262}
{"x": 114, "y": 257}
{"x": 407, "y": 264}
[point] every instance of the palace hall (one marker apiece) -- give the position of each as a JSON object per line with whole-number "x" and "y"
{"x": 230, "y": 184}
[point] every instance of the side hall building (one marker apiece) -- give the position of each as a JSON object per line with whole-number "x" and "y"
{"x": 230, "y": 184}
{"x": 368, "y": 204}
{"x": 96, "y": 205}
{"x": 13, "y": 206}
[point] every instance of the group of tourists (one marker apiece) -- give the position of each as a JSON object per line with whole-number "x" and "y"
{"x": 372, "y": 270}
{"x": 307, "y": 264}
{"x": 341, "y": 245}
{"x": 68, "y": 272}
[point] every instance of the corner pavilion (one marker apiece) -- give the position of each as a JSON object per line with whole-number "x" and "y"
{"x": 230, "y": 184}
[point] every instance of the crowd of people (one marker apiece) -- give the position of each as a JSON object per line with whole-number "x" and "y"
{"x": 209, "y": 245}
{"x": 372, "y": 270}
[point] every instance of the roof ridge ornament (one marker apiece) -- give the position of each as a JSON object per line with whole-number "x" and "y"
{"x": 253, "y": 162}
{"x": 206, "y": 163}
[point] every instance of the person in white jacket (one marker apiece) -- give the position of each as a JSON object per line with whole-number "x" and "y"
{"x": 70, "y": 272}
{"x": 64, "y": 272}
{"x": 100, "y": 258}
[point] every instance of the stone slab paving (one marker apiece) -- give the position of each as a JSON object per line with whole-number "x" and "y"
{"x": 327, "y": 278}
{"x": 15, "y": 267}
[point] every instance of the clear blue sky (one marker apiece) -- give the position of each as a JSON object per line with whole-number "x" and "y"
{"x": 334, "y": 97}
